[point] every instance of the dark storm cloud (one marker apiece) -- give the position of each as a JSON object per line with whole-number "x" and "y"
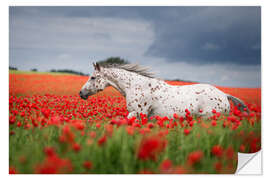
{"x": 217, "y": 45}
{"x": 197, "y": 35}
{"x": 211, "y": 35}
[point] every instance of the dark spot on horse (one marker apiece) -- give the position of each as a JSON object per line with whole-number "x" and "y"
{"x": 200, "y": 92}
{"x": 145, "y": 103}
{"x": 211, "y": 98}
{"x": 139, "y": 106}
{"x": 149, "y": 84}
{"x": 196, "y": 99}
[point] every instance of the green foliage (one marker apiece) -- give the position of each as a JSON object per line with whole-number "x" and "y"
{"x": 118, "y": 155}
{"x": 13, "y": 68}
{"x": 68, "y": 71}
{"x": 113, "y": 60}
{"x": 34, "y": 69}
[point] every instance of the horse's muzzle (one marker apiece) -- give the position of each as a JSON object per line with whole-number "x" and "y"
{"x": 85, "y": 97}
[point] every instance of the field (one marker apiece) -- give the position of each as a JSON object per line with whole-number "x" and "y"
{"x": 52, "y": 130}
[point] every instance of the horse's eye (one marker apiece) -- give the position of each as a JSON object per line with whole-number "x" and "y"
{"x": 92, "y": 78}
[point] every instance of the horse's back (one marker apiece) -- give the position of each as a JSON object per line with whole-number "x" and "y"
{"x": 209, "y": 98}
{"x": 203, "y": 89}
{"x": 194, "y": 97}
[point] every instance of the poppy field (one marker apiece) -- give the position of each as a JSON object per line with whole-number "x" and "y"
{"x": 53, "y": 131}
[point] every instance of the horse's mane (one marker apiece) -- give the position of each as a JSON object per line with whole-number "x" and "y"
{"x": 142, "y": 70}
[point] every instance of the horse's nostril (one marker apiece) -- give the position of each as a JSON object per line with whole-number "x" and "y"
{"x": 80, "y": 93}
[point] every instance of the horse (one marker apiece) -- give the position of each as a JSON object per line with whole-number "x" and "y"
{"x": 146, "y": 94}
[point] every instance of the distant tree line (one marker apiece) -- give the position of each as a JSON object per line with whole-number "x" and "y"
{"x": 12, "y": 68}
{"x": 68, "y": 71}
{"x": 182, "y": 80}
{"x": 113, "y": 60}
{"x": 110, "y": 60}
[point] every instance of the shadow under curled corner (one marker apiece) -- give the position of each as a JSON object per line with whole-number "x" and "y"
{"x": 249, "y": 163}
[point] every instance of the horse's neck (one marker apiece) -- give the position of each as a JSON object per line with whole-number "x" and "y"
{"x": 116, "y": 86}
{"x": 123, "y": 80}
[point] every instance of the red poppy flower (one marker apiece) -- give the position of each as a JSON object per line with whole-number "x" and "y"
{"x": 54, "y": 165}
{"x": 213, "y": 123}
{"x": 229, "y": 153}
{"x": 130, "y": 130}
{"x": 218, "y": 166}
{"x": 242, "y": 148}
{"x": 150, "y": 125}
{"x": 150, "y": 147}
{"x": 12, "y": 170}
{"x": 186, "y": 131}
{"x": 165, "y": 165}
{"x": 194, "y": 157}
{"x": 49, "y": 151}
{"x": 217, "y": 150}
{"x": 87, "y": 165}
{"x": 76, "y": 147}
{"x": 102, "y": 140}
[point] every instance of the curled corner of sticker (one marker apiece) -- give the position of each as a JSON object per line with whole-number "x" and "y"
{"x": 249, "y": 163}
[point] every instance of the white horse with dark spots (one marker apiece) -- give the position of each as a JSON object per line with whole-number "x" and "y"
{"x": 152, "y": 96}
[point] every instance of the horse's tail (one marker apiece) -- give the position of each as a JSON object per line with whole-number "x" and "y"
{"x": 236, "y": 102}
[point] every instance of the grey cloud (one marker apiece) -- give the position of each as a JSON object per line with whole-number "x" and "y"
{"x": 37, "y": 40}
{"x": 182, "y": 33}
{"x": 233, "y": 31}
{"x": 218, "y": 74}
{"x": 220, "y": 44}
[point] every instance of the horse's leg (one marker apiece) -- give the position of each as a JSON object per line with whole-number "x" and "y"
{"x": 206, "y": 116}
{"x": 136, "y": 114}
{"x": 133, "y": 114}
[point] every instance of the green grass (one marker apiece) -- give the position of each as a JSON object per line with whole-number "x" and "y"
{"x": 119, "y": 154}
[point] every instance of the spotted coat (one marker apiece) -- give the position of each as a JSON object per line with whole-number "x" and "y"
{"x": 152, "y": 96}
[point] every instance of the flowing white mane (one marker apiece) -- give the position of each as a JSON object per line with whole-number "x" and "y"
{"x": 142, "y": 70}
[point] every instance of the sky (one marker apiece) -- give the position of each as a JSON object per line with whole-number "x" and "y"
{"x": 215, "y": 45}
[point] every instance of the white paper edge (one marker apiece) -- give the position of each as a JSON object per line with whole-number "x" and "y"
{"x": 249, "y": 164}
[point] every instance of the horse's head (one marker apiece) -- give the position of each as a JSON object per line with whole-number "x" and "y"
{"x": 95, "y": 83}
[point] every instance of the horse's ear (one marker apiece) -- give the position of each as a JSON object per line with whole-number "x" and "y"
{"x": 97, "y": 67}
{"x": 94, "y": 66}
